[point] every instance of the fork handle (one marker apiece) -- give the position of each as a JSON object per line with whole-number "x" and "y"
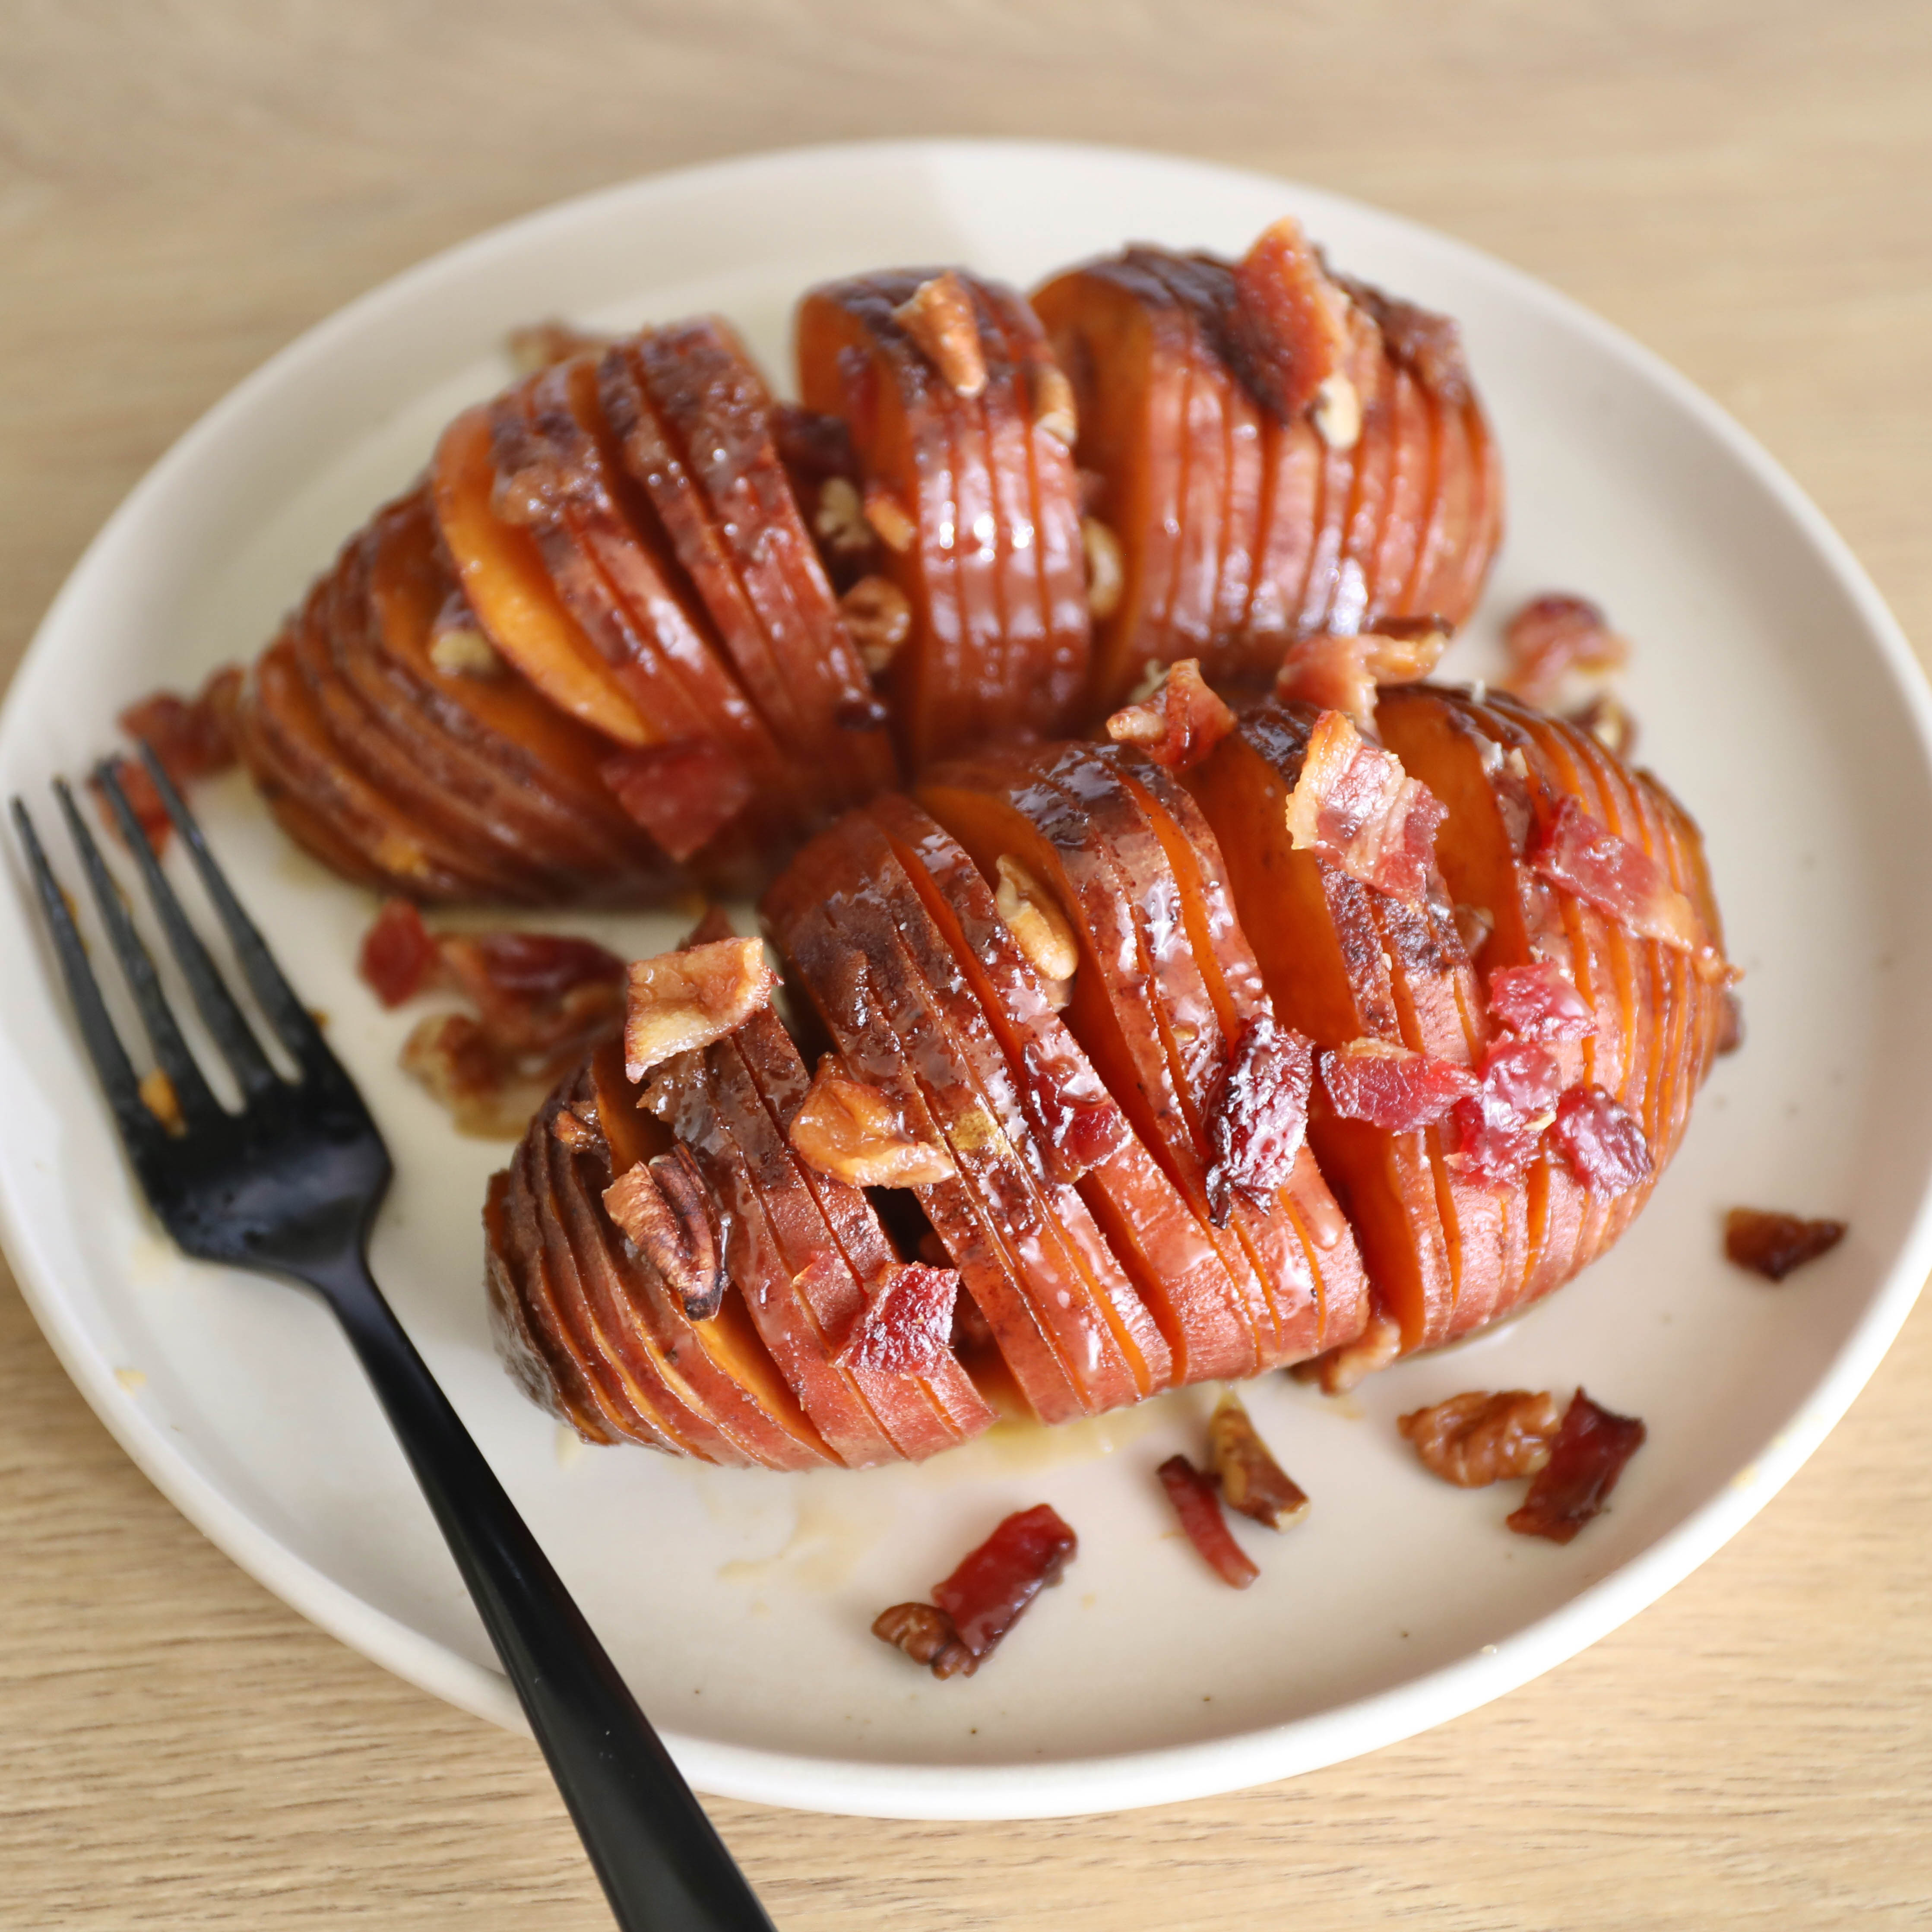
{"x": 663, "y": 1866}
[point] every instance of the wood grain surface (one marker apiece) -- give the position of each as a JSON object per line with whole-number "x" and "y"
{"x": 1745, "y": 184}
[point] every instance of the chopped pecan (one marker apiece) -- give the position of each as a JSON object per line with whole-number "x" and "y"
{"x": 839, "y": 521}
{"x": 680, "y": 1001}
{"x": 1106, "y": 575}
{"x": 1251, "y": 1481}
{"x": 1040, "y": 929}
{"x": 579, "y": 1135}
{"x": 890, "y": 518}
{"x": 1772, "y": 1244}
{"x": 453, "y": 1056}
{"x": 665, "y": 1210}
{"x": 1608, "y": 720}
{"x": 1339, "y": 1371}
{"x": 1054, "y": 411}
{"x": 938, "y": 316}
{"x": 458, "y": 647}
{"x": 1179, "y": 723}
{"x": 1730, "y": 1023}
{"x": 851, "y": 1131}
{"x": 879, "y": 619}
{"x": 1585, "y": 1460}
{"x": 1336, "y": 411}
{"x": 1476, "y": 1438}
{"x": 1198, "y": 1508}
{"x": 926, "y": 1635}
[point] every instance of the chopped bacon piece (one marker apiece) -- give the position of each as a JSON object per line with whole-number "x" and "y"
{"x": 1354, "y": 804}
{"x": 1571, "y": 849}
{"x": 1539, "y": 1001}
{"x": 192, "y": 737}
{"x": 1290, "y": 328}
{"x": 985, "y": 1595}
{"x": 452, "y": 1056}
{"x": 926, "y": 1635}
{"x": 907, "y": 1328}
{"x": 1603, "y": 1145}
{"x": 399, "y": 956}
{"x": 682, "y": 794}
{"x": 1251, "y": 1480}
{"x": 531, "y": 968}
{"x": 681, "y": 1001}
{"x": 1550, "y": 637}
{"x": 1608, "y": 720}
{"x": 1259, "y": 1117}
{"x": 1198, "y": 1503}
{"x": 851, "y": 1130}
{"x": 1772, "y": 1244}
{"x": 1341, "y": 672}
{"x": 1391, "y": 1086}
{"x": 1478, "y": 1439}
{"x": 1730, "y": 1023}
{"x": 1494, "y": 1132}
{"x": 1429, "y": 345}
{"x": 666, "y": 1212}
{"x": 1585, "y": 1460}
{"x": 1179, "y": 723}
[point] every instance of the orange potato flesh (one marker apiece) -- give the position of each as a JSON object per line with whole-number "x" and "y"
{"x": 1174, "y": 1269}
{"x": 503, "y": 577}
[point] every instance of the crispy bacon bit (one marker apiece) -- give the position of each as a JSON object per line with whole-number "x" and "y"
{"x": 879, "y": 618}
{"x": 1040, "y": 929}
{"x": 1259, "y": 1116}
{"x": 926, "y": 1635}
{"x": 1773, "y": 1244}
{"x": 1603, "y": 1145}
{"x": 158, "y": 1096}
{"x": 1572, "y": 850}
{"x": 1291, "y": 327}
{"x": 1251, "y": 1480}
{"x": 1391, "y": 1086}
{"x": 682, "y": 794}
{"x": 1585, "y": 1460}
{"x": 1353, "y": 803}
{"x": 1608, "y": 720}
{"x": 1180, "y": 724}
{"x": 665, "y": 1210}
{"x": 993, "y": 1584}
{"x": 1478, "y": 1438}
{"x": 939, "y": 316}
{"x": 1341, "y": 672}
{"x": 1730, "y": 1024}
{"x": 1106, "y": 574}
{"x": 1198, "y": 1503}
{"x": 192, "y": 737}
{"x": 399, "y": 956}
{"x": 452, "y": 1056}
{"x": 1539, "y": 1001}
{"x": 541, "y": 345}
{"x": 1494, "y": 1132}
{"x": 1337, "y": 1372}
{"x": 1552, "y": 636}
{"x": 1428, "y": 345}
{"x": 850, "y": 1130}
{"x": 907, "y": 1328}
{"x": 680, "y": 1001}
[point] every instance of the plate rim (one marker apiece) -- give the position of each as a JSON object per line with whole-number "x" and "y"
{"x": 1068, "y": 1787}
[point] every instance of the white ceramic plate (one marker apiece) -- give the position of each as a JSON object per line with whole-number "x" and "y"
{"x": 1775, "y": 694}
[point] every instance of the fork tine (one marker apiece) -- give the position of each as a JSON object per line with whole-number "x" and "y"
{"x": 171, "y": 1050}
{"x": 212, "y": 999}
{"x": 141, "y": 1132}
{"x": 292, "y": 1020}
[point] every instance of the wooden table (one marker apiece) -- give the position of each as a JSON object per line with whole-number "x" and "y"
{"x": 1746, "y": 185}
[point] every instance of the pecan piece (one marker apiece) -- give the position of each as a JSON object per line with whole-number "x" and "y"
{"x": 664, "y": 1209}
{"x": 1338, "y": 1371}
{"x": 890, "y": 519}
{"x": 839, "y": 521}
{"x": 849, "y": 1129}
{"x": 938, "y": 316}
{"x": 1477, "y": 1438}
{"x": 879, "y": 619}
{"x": 1054, "y": 411}
{"x": 680, "y": 1001}
{"x": 1038, "y": 927}
{"x": 1106, "y": 575}
{"x": 1336, "y": 411}
{"x": 1251, "y": 1481}
{"x": 926, "y": 1635}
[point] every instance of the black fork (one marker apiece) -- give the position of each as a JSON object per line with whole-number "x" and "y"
{"x": 289, "y": 1186}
